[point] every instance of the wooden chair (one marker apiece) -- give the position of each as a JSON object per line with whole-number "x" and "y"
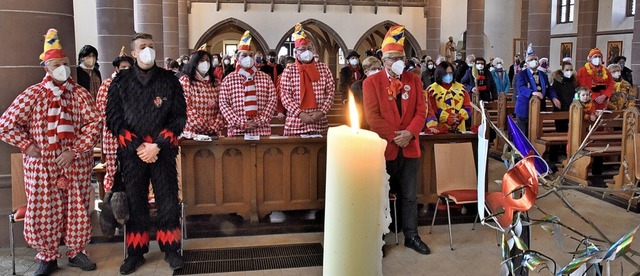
{"x": 18, "y": 202}
{"x": 456, "y": 179}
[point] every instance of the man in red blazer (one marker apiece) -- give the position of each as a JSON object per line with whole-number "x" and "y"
{"x": 395, "y": 109}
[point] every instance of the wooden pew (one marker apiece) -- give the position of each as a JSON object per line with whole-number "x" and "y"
{"x": 505, "y": 107}
{"x": 578, "y": 128}
{"x": 540, "y": 136}
{"x": 628, "y": 153}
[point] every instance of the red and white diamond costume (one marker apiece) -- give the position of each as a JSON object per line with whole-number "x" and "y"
{"x": 54, "y": 212}
{"x": 324, "y": 90}
{"x": 232, "y": 103}
{"x": 203, "y": 116}
{"x": 109, "y": 143}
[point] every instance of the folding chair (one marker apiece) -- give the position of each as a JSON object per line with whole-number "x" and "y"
{"x": 18, "y": 202}
{"x": 456, "y": 179}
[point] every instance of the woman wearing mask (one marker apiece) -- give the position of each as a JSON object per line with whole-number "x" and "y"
{"x": 350, "y": 73}
{"x": 227, "y": 66}
{"x": 564, "y": 83}
{"x": 500, "y": 76}
{"x": 449, "y": 101}
{"x": 218, "y": 70}
{"x": 622, "y": 96}
{"x": 428, "y": 75}
{"x": 88, "y": 75}
{"x": 371, "y": 65}
{"x": 201, "y": 93}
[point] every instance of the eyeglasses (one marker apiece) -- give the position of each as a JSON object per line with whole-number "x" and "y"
{"x": 394, "y": 59}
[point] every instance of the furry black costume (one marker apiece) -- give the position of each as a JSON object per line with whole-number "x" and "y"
{"x": 148, "y": 106}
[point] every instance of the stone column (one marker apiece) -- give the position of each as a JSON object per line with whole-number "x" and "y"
{"x": 183, "y": 28}
{"x": 170, "y": 25}
{"x": 587, "y": 20}
{"x": 539, "y": 27}
{"x": 24, "y": 25}
{"x": 475, "y": 28}
{"x": 434, "y": 11}
{"x": 148, "y": 19}
{"x": 635, "y": 49}
{"x": 524, "y": 19}
{"x": 115, "y": 29}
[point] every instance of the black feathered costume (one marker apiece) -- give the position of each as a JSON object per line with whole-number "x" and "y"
{"x": 148, "y": 106}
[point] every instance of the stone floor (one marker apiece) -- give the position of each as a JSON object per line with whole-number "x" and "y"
{"x": 476, "y": 251}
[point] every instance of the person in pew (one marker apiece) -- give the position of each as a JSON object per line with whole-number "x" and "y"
{"x": 479, "y": 80}
{"x": 272, "y": 68}
{"x": 627, "y": 74}
{"x": 427, "y": 75}
{"x": 622, "y": 96}
{"x": 109, "y": 143}
{"x": 595, "y": 76}
{"x": 307, "y": 90}
{"x": 55, "y": 124}
{"x": 218, "y": 70}
{"x": 564, "y": 83}
{"x": 394, "y": 106}
{"x": 247, "y": 96}
{"x": 448, "y": 102}
{"x": 146, "y": 111}
{"x": 201, "y": 89}
{"x": 500, "y": 78}
{"x": 583, "y": 94}
{"x": 351, "y": 73}
{"x": 370, "y": 65}
{"x": 532, "y": 82}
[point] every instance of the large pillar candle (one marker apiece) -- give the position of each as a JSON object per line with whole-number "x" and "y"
{"x": 356, "y": 202}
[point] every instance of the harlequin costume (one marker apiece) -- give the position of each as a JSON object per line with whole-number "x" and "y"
{"x": 148, "y": 106}
{"x": 447, "y": 101}
{"x": 395, "y": 104}
{"x": 247, "y": 95}
{"x": 201, "y": 95}
{"x": 55, "y": 118}
{"x": 597, "y": 78}
{"x": 306, "y": 88}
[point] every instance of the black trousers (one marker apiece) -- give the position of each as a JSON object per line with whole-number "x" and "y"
{"x": 403, "y": 180}
{"x": 163, "y": 176}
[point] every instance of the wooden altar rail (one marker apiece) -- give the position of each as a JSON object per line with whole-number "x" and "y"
{"x": 254, "y": 178}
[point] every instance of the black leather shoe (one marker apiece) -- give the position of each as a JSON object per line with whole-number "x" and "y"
{"x": 416, "y": 244}
{"x": 131, "y": 263}
{"x": 46, "y": 268}
{"x": 174, "y": 260}
{"x": 82, "y": 261}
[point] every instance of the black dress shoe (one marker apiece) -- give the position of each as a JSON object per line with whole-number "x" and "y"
{"x": 131, "y": 263}
{"x": 46, "y": 268}
{"x": 82, "y": 261}
{"x": 174, "y": 259}
{"x": 416, "y": 244}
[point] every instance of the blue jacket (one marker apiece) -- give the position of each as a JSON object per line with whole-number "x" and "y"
{"x": 526, "y": 86}
{"x": 502, "y": 85}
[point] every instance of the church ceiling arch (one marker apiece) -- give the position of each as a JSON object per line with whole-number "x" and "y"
{"x": 233, "y": 26}
{"x": 322, "y": 35}
{"x": 372, "y": 39}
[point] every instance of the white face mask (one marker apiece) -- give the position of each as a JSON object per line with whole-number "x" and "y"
{"x": 533, "y": 64}
{"x": 398, "y": 67}
{"x": 247, "y": 62}
{"x": 215, "y": 62}
{"x": 615, "y": 75}
{"x": 479, "y": 66}
{"x": 567, "y": 74}
{"x": 430, "y": 66}
{"x": 61, "y": 73}
{"x": 595, "y": 61}
{"x": 226, "y": 61}
{"x": 353, "y": 62}
{"x": 306, "y": 56}
{"x": 203, "y": 67}
{"x": 147, "y": 56}
{"x": 470, "y": 64}
{"x": 89, "y": 62}
{"x": 373, "y": 71}
{"x": 499, "y": 66}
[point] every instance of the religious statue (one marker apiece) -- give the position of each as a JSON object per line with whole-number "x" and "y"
{"x": 450, "y": 49}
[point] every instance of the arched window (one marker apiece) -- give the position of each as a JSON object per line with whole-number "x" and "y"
{"x": 565, "y": 11}
{"x": 631, "y": 7}
{"x": 287, "y": 47}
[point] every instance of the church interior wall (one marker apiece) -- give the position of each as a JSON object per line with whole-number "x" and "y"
{"x": 613, "y": 16}
{"x": 501, "y": 25}
{"x": 86, "y": 25}
{"x": 453, "y": 22}
{"x": 554, "y": 52}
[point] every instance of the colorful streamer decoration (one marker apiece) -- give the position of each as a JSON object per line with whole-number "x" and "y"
{"x": 525, "y": 147}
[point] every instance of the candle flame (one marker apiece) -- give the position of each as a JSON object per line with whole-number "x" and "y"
{"x": 353, "y": 112}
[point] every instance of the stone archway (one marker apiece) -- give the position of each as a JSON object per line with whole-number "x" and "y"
{"x": 325, "y": 38}
{"x": 233, "y": 24}
{"x": 373, "y": 37}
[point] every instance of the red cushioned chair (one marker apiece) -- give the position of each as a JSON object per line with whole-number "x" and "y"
{"x": 456, "y": 179}
{"x": 18, "y": 202}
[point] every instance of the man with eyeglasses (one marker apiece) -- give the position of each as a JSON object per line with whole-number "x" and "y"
{"x": 307, "y": 90}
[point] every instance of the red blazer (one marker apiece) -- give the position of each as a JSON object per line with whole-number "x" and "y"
{"x": 383, "y": 117}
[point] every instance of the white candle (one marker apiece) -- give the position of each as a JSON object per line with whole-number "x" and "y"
{"x": 356, "y": 201}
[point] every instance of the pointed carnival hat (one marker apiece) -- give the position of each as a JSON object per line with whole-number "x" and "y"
{"x": 122, "y": 52}
{"x": 300, "y": 36}
{"x": 52, "y": 46}
{"x": 203, "y": 47}
{"x": 245, "y": 43}
{"x": 393, "y": 42}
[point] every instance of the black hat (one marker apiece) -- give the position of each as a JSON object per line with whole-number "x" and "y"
{"x": 353, "y": 54}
